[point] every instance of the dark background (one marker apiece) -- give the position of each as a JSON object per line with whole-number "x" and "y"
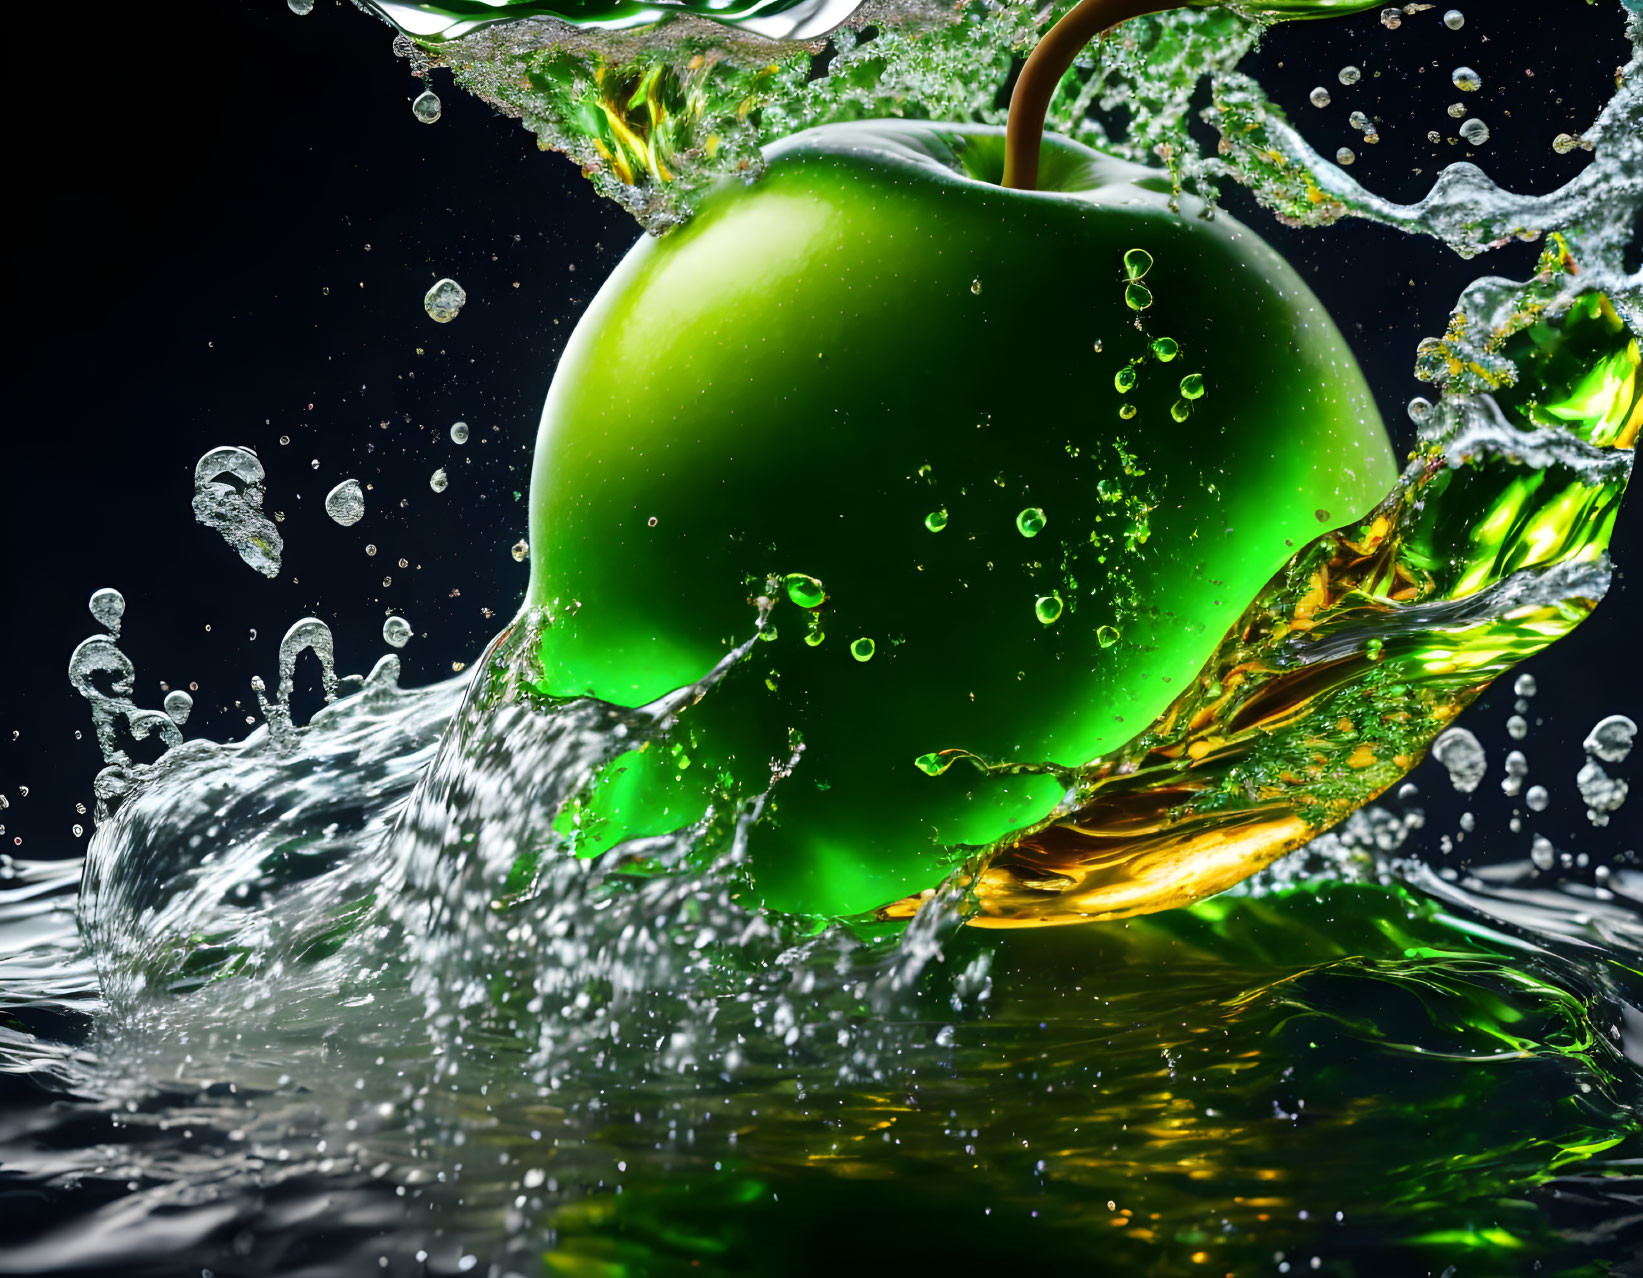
{"x": 225, "y": 231}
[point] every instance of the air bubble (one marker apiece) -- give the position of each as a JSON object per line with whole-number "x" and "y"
{"x": 427, "y": 106}
{"x": 1349, "y": 75}
{"x": 439, "y": 481}
{"x": 346, "y": 503}
{"x": 1611, "y": 739}
{"x": 1319, "y": 97}
{"x": 1047, "y": 608}
{"x": 863, "y": 649}
{"x": 1466, "y": 80}
{"x": 444, "y": 301}
{"x": 459, "y": 432}
{"x": 396, "y": 632}
{"x": 1031, "y": 522}
{"x": 1462, "y": 754}
{"x": 1419, "y": 410}
{"x": 179, "y": 705}
{"x": 108, "y": 607}
{"x": 1454, "y": 19}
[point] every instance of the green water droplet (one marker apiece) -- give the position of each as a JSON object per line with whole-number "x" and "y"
{"x": 767, "y": 634}
{"x": 813, "y": 638}
{"x": 1123, "y": 381}
{"x": 1106, "y": 636}
{"x": 1030, "y": 522}
{"x": 1047, "y": 609}
{"x": 804, "y": 590}
{"x": 1127, "y": 411}
{"x": 863, "y": 649}
{"x": 1109, "y": 490}
{"x": 975, "y": 286}
{"x": 1137, "y": 262}
{"x": 1165, "y": 348}
{"x": 1180, "y": 410}
{"x": 932, "y": 765}
{"x": 1192, "y": 386}
{"x": 1137, "y": 297}
{"x": 936, "y": 520}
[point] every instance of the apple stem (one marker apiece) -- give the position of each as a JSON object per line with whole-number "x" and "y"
{"x": 1048, "y": 62}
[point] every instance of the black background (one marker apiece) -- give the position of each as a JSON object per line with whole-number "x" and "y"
{"x": 187, "y": 195}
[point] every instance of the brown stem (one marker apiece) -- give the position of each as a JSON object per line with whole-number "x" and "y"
{"x": 1024, "y": 131}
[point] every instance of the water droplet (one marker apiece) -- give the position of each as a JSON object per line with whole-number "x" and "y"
{"x": 1345, "y": 156}
{"x": 863, "y": 649}
{"x": 1319, "y": 97}
{"x": 1358, "y": 120}
{"x": 459, "y": 432}
{"x": 975, "y": 286}
{"x": 1475, "y": 131}
{"x": 1525, "y": 686}
{"x": 1419, "y": 409}
{"x": 1537, "y": 798}
{"x": 1137, "y": 297}
{"x": 1517, "y": 727}
{"x": 346, "y": 503}
{"x": 228, "y": 496}
{"x": 1127, "y": 411}
{"x": 814, "y": 636}
{"x": 1563, "y": 143}
{"x": 444, "y": 301}
{"x": 1466, "y": 80}
{"x": 1106, "y": 636}
{"x": 1180, "y": 410}
{"x": 767, "y": 632}
{"x": 1165, "y": 348}
{"x": 1611, "y": 739}
{"x": 396, "y": 632}
{"x": 1462, "y": 754}
{"x": 1098, "y": 346}
{"x": 179, "y": 705}
{"x": 651, "y": 522}
{"x": 1349, "y": 75}
{"x": 1192, "y": 386}
{"x": 108, "y": 606}
{"x": 1454, "y": 19}
{"x": 302, "y": 8}
{"x": 520, "y": 550}
{"x": 1137, "y": 262}
{"x": 1542, "y": 853}
{"x": 1047, "y": 608}
{"x": 1391, "y": 19}
{"x": 936, "y": 520}
{"x": 438, "y": 481}
{"x": 370, "y": 550}
{"x": 427, "y": 106}
{"x": 1123, "y": 381}
{"x": 1455, "y": 110}
{"x": 1031, "y": 522}
{"x": 1601, "y": 792}
{"x": 804, "y": 590}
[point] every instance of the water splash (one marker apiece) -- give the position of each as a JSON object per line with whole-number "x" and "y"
{"x": 228, "y": 497}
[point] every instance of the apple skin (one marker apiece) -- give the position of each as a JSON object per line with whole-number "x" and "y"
{"x": 755, "y": 394}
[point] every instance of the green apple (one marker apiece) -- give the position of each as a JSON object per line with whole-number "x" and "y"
{"x": 1035, "y": 473}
